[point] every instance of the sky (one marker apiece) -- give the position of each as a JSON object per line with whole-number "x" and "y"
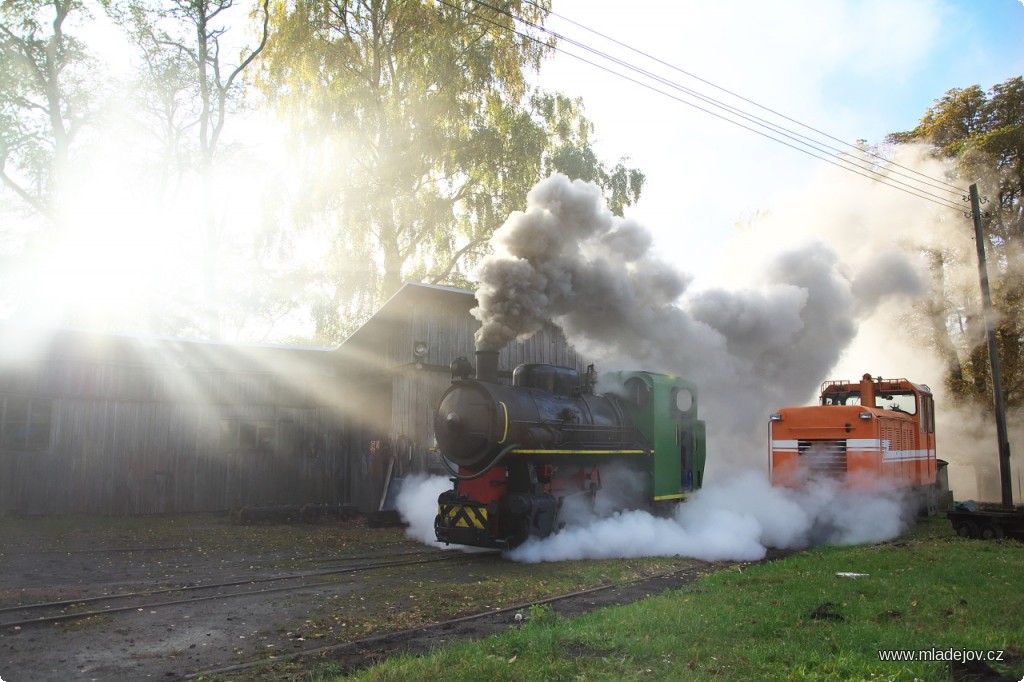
{"x": 855, "y": 69}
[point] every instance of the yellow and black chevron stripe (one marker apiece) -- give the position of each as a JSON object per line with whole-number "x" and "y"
{"x": 462, "y": 516}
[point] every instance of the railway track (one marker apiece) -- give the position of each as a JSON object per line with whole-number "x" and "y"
{"x": 21, "y": 615}
{"x": 188, "y": 562}
{"x": 365, "y": 651}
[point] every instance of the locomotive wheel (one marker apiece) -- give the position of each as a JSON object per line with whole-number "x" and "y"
{"x": 992, "y": 531}
{"x": 967, "y": 529}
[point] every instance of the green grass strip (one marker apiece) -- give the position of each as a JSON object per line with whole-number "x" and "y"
{"x": 791, "y": 619}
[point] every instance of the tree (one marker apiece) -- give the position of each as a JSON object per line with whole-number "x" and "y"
{"x": 48, "y": 93}
{"x": 984, "y": 134}
{"x": 191, "y": 85}
{"x": 423, "y": 133}
{"x": 186, "y": 66}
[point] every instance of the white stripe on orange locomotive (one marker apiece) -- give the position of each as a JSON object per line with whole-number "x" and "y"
{"x": 871, "y": 445}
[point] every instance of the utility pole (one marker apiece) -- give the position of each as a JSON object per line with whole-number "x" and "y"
{"x": 993, "y": 354}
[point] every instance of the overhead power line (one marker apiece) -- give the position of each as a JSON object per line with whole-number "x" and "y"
{"x": 934, "y": 182}
{"x": 934, "y": 190}
{"x": 861, "y": 167}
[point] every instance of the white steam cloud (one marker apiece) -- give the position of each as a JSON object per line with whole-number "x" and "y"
{"x": 737, "y": 519}
{"x": 417, "y": 505}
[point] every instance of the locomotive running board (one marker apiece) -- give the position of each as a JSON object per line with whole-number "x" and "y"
{"x": 677, "y": 496}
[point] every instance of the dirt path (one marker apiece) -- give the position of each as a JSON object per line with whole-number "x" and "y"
{"x": 261, "y": 617}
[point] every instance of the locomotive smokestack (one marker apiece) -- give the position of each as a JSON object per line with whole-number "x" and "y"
{"x": 487, "y": 365}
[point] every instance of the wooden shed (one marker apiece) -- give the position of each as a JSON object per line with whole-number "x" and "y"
{"x": 119, "y": 424}
{"x": 114, "y": 424}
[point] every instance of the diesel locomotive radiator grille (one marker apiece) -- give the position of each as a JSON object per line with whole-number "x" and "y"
{"x": 827, "y": 457}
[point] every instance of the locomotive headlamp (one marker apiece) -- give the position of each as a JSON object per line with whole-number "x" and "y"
{"x": 865, "y": 415}
{"x": 777, "y": 417}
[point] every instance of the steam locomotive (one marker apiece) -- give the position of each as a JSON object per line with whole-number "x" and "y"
{"x": 868, "y": 434}
{"x": 517, "y": 451}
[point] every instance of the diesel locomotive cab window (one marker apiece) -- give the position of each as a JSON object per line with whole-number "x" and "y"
{"x": 25, "y": 423}
{"x": 897, "y": 402}
{"x": 841, "y": 399}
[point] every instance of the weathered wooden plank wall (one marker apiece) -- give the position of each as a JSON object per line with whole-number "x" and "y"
{"x": 162, "y": 426}
{"x": 132, "y": 425}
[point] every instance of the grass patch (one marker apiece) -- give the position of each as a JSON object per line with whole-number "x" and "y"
{"x": 789, "y": 619}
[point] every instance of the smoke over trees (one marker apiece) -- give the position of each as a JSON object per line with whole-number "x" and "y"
{"x": 982, "y": 133}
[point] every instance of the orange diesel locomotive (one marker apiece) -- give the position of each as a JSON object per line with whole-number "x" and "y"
{"x": 871, "y": 433}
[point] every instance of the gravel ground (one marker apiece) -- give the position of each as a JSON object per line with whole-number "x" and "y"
{"x": 74, "y": 559}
